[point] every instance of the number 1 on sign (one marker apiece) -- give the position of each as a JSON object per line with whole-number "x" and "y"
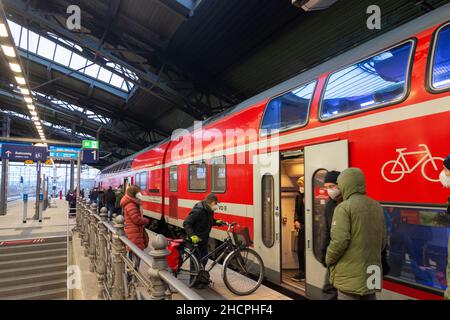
{"x": 94, "y": 155}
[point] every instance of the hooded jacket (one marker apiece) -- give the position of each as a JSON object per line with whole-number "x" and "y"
{"x": 199, "y": 222}
{"x": 358, "y": 236}
{"x": 134, "y": 222}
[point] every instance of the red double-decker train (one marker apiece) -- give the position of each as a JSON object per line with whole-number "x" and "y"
{"x": 383, "y": 106}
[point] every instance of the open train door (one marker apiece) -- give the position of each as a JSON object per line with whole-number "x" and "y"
{"x": 319, "y": 159}
{"x": 266, "y": 214}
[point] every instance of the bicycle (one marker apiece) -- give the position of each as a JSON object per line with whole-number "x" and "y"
{"x": 400, "y": 166}
{"x": 242, "y": 269}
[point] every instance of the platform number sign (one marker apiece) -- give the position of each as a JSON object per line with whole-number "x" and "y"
{"x": 90, "y": 144}
{"x": 90, "y": 156}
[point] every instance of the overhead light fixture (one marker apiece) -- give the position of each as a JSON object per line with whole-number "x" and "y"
{"x": 20, "y": 80}
{"x": 33, "y": 113}
{"x": 3, "y": 31}
{"x": 35, "y": 119}
{"x": 30, "y": 106}
{"x": 25, "y": 91}
{"x": 15, "y": 67}
{"x": 9, "y": 51}
{"x": 28, "y": 100}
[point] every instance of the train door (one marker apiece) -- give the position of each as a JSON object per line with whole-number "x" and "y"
{"x": 292, "y": 169}
{"x": 266, "y": 219}
{"x": 125, "y": 184}
{"x": 318, "y": 160}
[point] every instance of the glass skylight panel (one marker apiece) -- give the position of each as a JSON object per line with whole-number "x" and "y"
{"x": 104, "y": 75}
{"x": 15, "y": 31}
{"x": 116, "y": 81}
{"x": 46, "y": 48}
{"x": 49, "y": 49}
{"x": 92, "y": 70}
{"x": 62, "y": 55}
{"x": 77, "y": 62}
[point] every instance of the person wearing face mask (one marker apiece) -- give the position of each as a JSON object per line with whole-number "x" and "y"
{"x": 358, "y": 238}
{"x": 445, "y": 180}
{"x": 198, "y": 225}
{"x": 299, "y": 223}
{"x": 335, "y": 197}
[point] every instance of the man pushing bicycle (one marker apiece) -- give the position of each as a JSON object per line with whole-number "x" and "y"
{"x": 198, "y": 225}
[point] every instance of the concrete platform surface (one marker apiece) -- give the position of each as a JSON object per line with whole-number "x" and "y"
{"x": 218, "y": 290}
{"x": 55, "y": 221}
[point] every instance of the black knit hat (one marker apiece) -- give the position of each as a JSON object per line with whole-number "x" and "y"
{"x": 447, "y": 162}
{"x": 331, "y": 177}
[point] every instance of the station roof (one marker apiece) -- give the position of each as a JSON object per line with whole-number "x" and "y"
{"x": 138, "y": 69}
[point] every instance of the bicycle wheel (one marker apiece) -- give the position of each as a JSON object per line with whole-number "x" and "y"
{"x": 391, "y": 175}
{"x": 432, "y": 168}
{"x": 243, "y": 271}
{"x": 188, "y": 269}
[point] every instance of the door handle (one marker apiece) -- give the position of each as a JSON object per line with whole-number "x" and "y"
{"x": 309, "y": 244}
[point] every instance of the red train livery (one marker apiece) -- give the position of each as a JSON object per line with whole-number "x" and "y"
{"x": 383, "y": 106}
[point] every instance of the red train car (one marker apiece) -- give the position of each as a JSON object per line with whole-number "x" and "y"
{"x": 383, "y": 106}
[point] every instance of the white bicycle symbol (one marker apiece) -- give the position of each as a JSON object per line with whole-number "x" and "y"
{"x": 398, "y": 168}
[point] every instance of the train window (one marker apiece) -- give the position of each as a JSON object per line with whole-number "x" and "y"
{"x": 173, "y": 178}
{"x": 320, "y": 198}
{"x": 441, "y": 60}
{"x": 197, "y": 177}
{"x": 377, "y": 81}
{"x": 268, "y": 217}
{"x": 218, "y": 174}
{"x": 136, "y": 179}
{"x": 142, "y": 182}
{"x": 289, "y": 110}
{"x": 417, "y": 251}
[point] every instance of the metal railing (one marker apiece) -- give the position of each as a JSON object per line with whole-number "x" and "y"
{"x": 118, "y": 274}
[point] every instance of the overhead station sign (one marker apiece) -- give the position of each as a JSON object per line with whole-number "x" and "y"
{"x": 90, "y": 152}
{"x": 17, "y": 152}
{"x": 90, "y": 144}
{"x": 63, "y": 153}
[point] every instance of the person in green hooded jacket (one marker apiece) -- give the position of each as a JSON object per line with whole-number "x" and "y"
{"x": 358, "y": 236}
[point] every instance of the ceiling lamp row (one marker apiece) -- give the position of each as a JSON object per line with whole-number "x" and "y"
{"x": 10, "y": 51}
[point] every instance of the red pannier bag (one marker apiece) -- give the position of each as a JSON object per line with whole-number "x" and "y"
{"x": 174, "y": 247}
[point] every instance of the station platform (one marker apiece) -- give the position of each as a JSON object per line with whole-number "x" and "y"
{"x": 54, "y": 221}
{"x": 216, "y": 291}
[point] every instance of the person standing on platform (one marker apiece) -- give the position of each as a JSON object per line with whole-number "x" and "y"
{"x": 335, "y": 197}
{"x": 110, "y": 201}
{"x": 135, "y": 222}
{"x": 119, "y": 194}
{"x": 198, "y": 225}
{"x": 445, "y": 180}
{"x": 299, "y": 223}
{"x": 358, "y": 236}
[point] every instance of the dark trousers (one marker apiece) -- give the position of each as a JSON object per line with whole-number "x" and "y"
{"x": 111, "y": 208}
{"x": 200, "y": 252}
{"x": 330, "y": 292}
{"x": 301, "y": 250}
{"x": 137, "y": 262}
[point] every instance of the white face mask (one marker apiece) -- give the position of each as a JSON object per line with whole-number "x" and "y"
{"x": 302, "y": 189}
{"x": 334, "y": 193}
{"x": 215, "y": 208}
{"x": 445, "y": 180}
{"x": 139, "y": 195}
